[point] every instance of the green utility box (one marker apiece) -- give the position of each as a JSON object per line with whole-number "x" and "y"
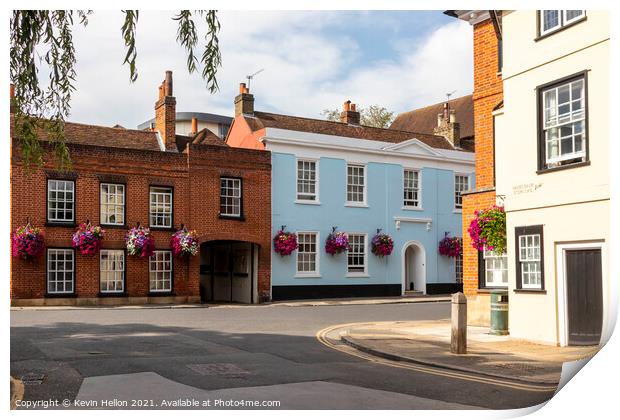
{"x": 499, "y": 312}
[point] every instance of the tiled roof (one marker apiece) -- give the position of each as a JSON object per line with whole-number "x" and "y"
{"x": 262, "y": 120}
{"x": 425, "y": 119}
{"x": 206, "y": 136}
{"x": 94, "y": 135}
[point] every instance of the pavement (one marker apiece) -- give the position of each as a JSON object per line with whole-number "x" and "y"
{"x": 287, "y": 303}
{"x": 266, "y": 352}
{"x": 428, "y": 343}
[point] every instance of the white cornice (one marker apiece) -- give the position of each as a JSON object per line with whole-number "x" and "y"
{"x": 473, "y": 16}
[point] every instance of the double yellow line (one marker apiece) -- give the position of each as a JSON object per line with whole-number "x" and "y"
{"x": 321, "y": 336}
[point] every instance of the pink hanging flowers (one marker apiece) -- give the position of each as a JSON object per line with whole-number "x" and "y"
{"x": 87, "y": 239}
{"x": 284, "y": 243}
{"x": 140, "y": 242}
{"x": 28, "y": 242}
{"x": 336, "y": 242}
{"x": 382, "y": 244}
{"x": 488, "y": 230}
{"x": 184, "y": 242}
{"x": 451, "y": 246}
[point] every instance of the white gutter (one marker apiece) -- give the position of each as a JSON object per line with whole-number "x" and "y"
{"x": 162, "y": 146}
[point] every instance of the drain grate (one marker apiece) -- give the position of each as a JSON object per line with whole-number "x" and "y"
{"x": 229, "y": 370}
{"x": 33, "y": 378}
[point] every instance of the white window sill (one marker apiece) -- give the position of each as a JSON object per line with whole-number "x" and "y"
{"x": 350, "y": 204}
{"x": 408, "y": 208}
{"x": 307, "y": 275}
{"x": 358, "y": 275}
{"x": 458, "y": 211}
{"x": 312, "y": 203}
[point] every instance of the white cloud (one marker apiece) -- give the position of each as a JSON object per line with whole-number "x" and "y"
{"x": 306, "y": 68}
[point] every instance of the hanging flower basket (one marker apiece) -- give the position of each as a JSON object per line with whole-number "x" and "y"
{"x": 284, "y": 243}
{"x": 382, "y": 244}
{"x": 140, "y": 242}
{"x": 336, "y": 242}
{"x": 488, "y": 230}
{"x": 87, "y": 239}
{"x": 184, "y": 242}
{"x": 28, "y": 242}
{"x": 451, "y": 246}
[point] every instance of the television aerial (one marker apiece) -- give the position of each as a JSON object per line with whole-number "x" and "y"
{"x": 251, "y": 76}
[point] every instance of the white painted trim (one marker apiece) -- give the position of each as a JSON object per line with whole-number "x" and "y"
{"x": 317, "y": 189}
{"x": 365, "y": 273}
{"x": 419, "y": 171}
{"x": 404, "y": 262}
{"x": 160, "y": 141}
{"x": 317, "y": 271}
{"x": 348, "y": 203}
{"x": 561, "y": 287}
{"x": 407, "y": 143}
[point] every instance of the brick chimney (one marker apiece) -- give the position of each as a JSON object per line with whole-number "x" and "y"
{"x": 349, "y": 115}
{"x": 165, "y": 113}
{"x": 12, "y": 106}
{"x": 244, "y": 101}
{"x": 448, "y": 127}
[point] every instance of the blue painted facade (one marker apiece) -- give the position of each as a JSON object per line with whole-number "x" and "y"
{"x": 384, "y": 200}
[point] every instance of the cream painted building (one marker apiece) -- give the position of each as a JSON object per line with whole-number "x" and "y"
{"x": 552, "y": 166}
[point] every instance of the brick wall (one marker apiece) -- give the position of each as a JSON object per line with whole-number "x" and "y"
{"x": 195, "y": 182}
{"x": 487, "y": 95}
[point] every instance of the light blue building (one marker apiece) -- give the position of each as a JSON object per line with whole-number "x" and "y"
{"x": 355, "y": 179}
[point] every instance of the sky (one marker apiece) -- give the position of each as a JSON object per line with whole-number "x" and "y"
{"x": 314, "y": 60}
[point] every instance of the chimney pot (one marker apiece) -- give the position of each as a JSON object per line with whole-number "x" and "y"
{"x": 347, "y": 106}
{"x": 242, "y": 88}
{"x": 194, "y": 125}
{"x": 353, "y": 106}
{"x": 349, "y": 115}
{"x": 168, "y": 83}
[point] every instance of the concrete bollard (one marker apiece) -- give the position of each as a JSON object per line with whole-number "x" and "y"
{"x": 458, "y": 342}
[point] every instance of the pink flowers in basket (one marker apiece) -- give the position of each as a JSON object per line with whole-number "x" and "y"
{"x": 382, "y": 244}
{"x": 140, "y": 242}
{"x": 184, "y": 242}
{"x": 87, "y": 239}
{"x": 336, "y": 242}
{"x": 28, "y": 242}
{"x": 488, "y": 230}
{"x": 284, "y": 243}
{"x": 451, "y": 246}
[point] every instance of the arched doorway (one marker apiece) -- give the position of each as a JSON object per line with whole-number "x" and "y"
{"x": 228, "y": 271}
{"x": 414, "y": 267}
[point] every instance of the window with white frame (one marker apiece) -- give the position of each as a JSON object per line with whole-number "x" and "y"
{"x": 356, "y": 183}
{"x": 529, "y": 260}
{"x": 306, "y": 180}
{"x": 60, "y": 271}
{"x": 307, "y": 255}
{"x": 458, "y": 268}
{"x": 553, "y": 20}
{"x": 356, "y": 256}
{"x": 230, "y": 197}
{"x": 161, "y": 207}
{"x": 564, "y": 122}
{"x": 160, "y": 271}
{"x": 495, "y": 269}
{"x": 411, "y": 188}
{"x": 60, "y": 200}
{"x": 112, "y": 271}
{"x": 112, "y": 204}
{"x": 461, "y": 184}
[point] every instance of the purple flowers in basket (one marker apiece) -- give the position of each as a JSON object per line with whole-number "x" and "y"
{"x": 336, "y": 242}
{"x": 451, "y": 246}
{"x": 284, "y": 243}
{"x": 184, "y": 242}
{"x": 87, "y": 239}
{"x": 140, "y": 242}
{"x": 28, "y": 242}
{"x": 382, "y": 244}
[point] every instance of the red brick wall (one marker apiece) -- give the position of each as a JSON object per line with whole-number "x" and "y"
{"x": 488, "y": 93}
{"x": 195, "y": 203}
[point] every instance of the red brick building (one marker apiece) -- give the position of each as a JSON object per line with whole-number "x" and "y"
{"x": 482, "y": 273}
{"x": 121, "y": 178}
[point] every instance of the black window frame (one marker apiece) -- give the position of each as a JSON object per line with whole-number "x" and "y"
{"x": 560, "y": 28}
{"x": 241, "y": 216}
{"x": 162, "y": 228}
{"x": 63, "y": 223}
{"x": 541, "y": 147}
{"x": 530, "y": 230}
{"x": 49, "y": 294}
{"x": 482, "y": 275}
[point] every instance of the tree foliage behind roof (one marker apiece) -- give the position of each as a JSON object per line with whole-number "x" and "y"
{"x": 46, "y": 36}
{"x": 373, "y": 116}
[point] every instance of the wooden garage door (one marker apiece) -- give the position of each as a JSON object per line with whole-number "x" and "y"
{"x": 584, "y": 296}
